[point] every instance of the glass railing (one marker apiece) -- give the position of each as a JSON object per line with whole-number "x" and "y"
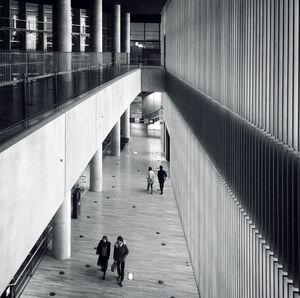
{"x": 34, "y": 85}
{"x": 15, "y": 66}
{"x": 147, "y": 59}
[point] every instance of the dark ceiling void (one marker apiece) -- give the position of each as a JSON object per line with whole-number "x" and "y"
{"x": 145, "y": 18}
{"x": 137, "y": 7}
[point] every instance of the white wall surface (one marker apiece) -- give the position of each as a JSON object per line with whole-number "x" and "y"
{"x": 151, "y": 102}
{"x": 39, "y": 166}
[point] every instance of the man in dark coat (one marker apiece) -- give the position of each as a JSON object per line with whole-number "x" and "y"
{"x": 161, "y": 175}
{"x": 120, "y": 253}
{"x": 103, "y": 250}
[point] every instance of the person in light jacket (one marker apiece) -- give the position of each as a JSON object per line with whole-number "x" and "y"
{"x": 120, "y": 253}
{"x": 150, "y": 179}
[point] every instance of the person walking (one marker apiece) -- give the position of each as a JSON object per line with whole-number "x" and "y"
{"x": 161, "y": 175}
{"x": 150, "y": 179}
{"x": 120, "y": 253}
{"x": 103, "y": 250}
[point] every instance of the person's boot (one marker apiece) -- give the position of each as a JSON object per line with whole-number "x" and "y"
{"x": 103, "y": 277}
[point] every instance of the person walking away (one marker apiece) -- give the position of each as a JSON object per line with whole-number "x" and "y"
{"x": 150, "y": 179}
{"x": 120, "y": 253}
{"x": 161, "y": 175}
{"x": 103, "y": 250}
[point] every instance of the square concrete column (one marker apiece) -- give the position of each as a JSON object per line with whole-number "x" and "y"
{"x": 62, "y": 230}
{"x": 96, "y": 172}
{"x": 116, "y": 140}
{"x": 125, "y": 125}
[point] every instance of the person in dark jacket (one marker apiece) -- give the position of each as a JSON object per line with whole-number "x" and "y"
{"x": 161, "y": 175}
{"x": 120, "y": 253}
{"x": 103, "y": 250}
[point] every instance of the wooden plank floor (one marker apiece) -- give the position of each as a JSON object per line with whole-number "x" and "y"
{"x": 144, "y": 220}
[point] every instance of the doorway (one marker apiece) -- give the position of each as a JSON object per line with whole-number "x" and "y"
{"x": 167, "y": 145}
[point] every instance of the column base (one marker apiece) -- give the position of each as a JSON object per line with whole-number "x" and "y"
{"x": 125, "y": 140}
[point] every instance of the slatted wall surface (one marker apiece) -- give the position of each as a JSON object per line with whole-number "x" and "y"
{"x": 241, "y": 61}
{"x": 231, "y": 256}
{"x": 242, "y": 53}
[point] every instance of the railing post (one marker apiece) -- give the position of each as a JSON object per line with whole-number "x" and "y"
{"x": 26, "y": 64}
{"x": 12, "y": 291}
{"x": 99, "y": 74}
{"x": 25, "y": 98}
{"x": 56, "y": 90}
{"x": 10, "y": 66}
{"x": 88, "y": 78}
{"x": 76, "y": 81}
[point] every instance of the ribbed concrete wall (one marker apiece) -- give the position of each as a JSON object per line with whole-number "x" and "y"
{"x": 242, "y": 53}
{"x": 240, "y": 60}
{"x": 230, "y": 257}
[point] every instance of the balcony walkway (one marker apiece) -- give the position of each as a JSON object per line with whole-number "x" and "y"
{"x": 23, "y": 103}
{"x": 145, "y": 221}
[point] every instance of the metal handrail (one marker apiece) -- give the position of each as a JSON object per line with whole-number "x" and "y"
{"x": 31, "y": 258}
{"x": 25, "y": 68}
{"x": 15, "y": 65}
{"x": 152, "y": 114}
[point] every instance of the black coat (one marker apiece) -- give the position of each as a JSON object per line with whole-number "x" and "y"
{"x": 161, "y": 175}
{"x": 120, "y": 252}
{"x": 99, "y": 252}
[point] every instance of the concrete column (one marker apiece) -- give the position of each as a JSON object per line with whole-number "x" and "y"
{"x": 127, "y": 36}
{"x": 97, "y": 26}
{"x": 62, "y": 26}
{"x": 116, "y": 140}
{"x": 96, "y": 172}
{"x": 117, "y": 28}
{"x": 127, "y": 33}
{"x": 125, "y": 124}
{"x": 62, "y": 43}
{"x": 62, "y": 230}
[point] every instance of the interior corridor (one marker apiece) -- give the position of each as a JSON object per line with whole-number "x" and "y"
{"x": 150, "y": 225}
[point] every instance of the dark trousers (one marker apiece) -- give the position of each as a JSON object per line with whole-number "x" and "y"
{"x": 161, "y": 185}
{"x": 120, "y": 268}
{"x": 103, "y": 263}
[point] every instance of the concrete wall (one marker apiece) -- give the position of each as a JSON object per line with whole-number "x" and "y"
{"x": 239, "y": 60}
{"x": 229, "y": 256}
{"x": 151, "y": 103}
{"x": 153, "y": 79}
{"x": 39, "y": 166}
{"x": 89, "y": 123}
{"x": 244, "y": 54}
